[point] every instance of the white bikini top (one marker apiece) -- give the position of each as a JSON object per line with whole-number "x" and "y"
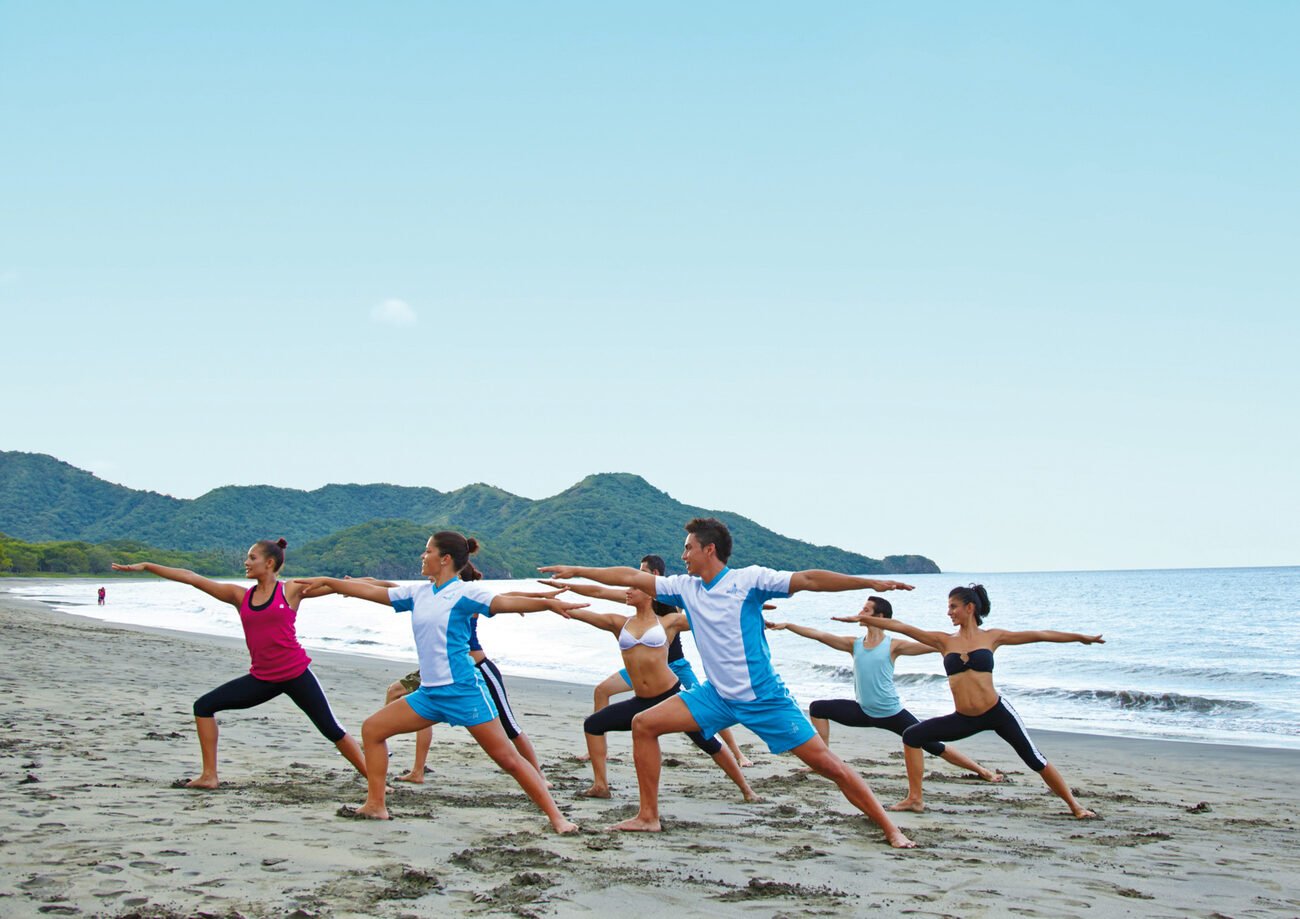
{"x": 654, "y": 637}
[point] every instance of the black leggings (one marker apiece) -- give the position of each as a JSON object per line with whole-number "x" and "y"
{"x": 1001, "y": 718}
{"x": 618, "y": 717}
{"x": 248, "y": 691}
{"x": 849, "y": 712}
{"x": 496, "y": 687}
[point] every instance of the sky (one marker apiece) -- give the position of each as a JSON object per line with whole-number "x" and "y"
{"x": 1011, "y": 285}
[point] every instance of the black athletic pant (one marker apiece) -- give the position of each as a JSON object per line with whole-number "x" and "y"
{"x": 248, "y": 691}
{"x": 618, "y": 717}
{"x": 1001, "y": 719}
{"x": 496, "y": 687}
{"x": 849, "y": 712}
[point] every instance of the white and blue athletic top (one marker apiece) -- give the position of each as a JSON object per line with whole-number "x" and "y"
{"x": 873, "y": 678}
{"x": 726, "y": 617}
{"x": 440, "y": 619}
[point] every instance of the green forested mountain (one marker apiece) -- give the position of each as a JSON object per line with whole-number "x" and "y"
{"x": 607, "y": 519}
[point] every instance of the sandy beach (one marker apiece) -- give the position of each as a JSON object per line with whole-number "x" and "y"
{"x": 95, "y": 726}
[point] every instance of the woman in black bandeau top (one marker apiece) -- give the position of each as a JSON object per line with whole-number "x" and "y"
{"x": 968, "y": 660}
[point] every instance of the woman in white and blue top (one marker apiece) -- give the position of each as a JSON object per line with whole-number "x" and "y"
{"x": 877, "y": 704}
{"x": 451, "y": 689}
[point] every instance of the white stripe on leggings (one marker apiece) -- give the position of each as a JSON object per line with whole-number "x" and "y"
{"x": 502, "y": 700}
{"x": 1016, "y": 715}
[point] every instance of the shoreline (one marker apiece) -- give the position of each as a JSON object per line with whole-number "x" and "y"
{"x": 95, "y": 724}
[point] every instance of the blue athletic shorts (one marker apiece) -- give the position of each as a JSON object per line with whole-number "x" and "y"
{"x": 777, "y": 720}
{"x": 681, "y": 668}
{"x": 460, "y": 704}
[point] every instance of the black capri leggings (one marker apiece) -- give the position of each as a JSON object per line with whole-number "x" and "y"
{"x": 496, "y": 687}
{"x": 618, "y": 717}
{"x": 248, "y": 691}
{"x": 1001, "y": 718}
{"x": 849, "y": 712}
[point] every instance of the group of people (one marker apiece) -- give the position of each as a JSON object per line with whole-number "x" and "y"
{"x": 723, "y": 608}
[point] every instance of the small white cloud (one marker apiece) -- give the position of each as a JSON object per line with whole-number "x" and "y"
{"x": 393, "y": 312}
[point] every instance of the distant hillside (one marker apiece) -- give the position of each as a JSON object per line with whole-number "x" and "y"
{"x": 607, "y": 519}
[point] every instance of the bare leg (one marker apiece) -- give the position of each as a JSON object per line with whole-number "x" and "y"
{"x": 423, "y": 737}
{"x": 394, "y": 718}
{"x": 823, "y": 727}
{"x": 525, "y": 748}
{"x": 729, "y": 739}
{"x": 1056, "y": 782}
{"x": 915, "y": 759}
{"x": 817, "y": 755}
{"x": 732, "y": 768}
{"x": 612, "y": 685}
{"x": 668, "y": 717}
{"x": 597, "y": 750}
{"x": 351, "y": 750}
{"x": 492, "y": 738}
{"x": 207, "y": 728}
{"x": 962, "y": 761}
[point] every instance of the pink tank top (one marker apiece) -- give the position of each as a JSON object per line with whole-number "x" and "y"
{"x": 272, "y": 642}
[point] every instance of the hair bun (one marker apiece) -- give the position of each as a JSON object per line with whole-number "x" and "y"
{"x": 473, "y": 545}
{"x": 281, "y": 543}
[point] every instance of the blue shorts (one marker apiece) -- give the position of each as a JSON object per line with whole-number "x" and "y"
{"x": 777, "y": 720}
{"x": 460, "y": 704}
{"x": 681, "y": 668}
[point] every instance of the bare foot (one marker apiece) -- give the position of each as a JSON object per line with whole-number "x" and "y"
{"x": 909, "y": 804}
{"x": 752, "y": 797}
{"x": 743, "y": 761}
{"x": 564, "y": 826}
{"x": 415, "y": 778}
{"x": 637, "y": 824}
{"x": 990, "y": 775}
{"x": 1084, "y": 814}
{"x": 207, "y": 782}
{"x": 596, "y": 791}
{"x": 583, "y": 757}
{"x": 364, "y": 812}
{"x": 899, "y": 841}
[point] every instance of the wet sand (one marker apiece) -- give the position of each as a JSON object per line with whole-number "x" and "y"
{"x": 95, "y": 726}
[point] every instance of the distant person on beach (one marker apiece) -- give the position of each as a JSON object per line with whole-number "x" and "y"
{"x": 451, "y": 688}
{"x": 618, "y": 683}
{"x": 644, "y": 640}
{"x": 102, "y": 594}
{"x": 725, "y": 611}
{"x": 968, "y": 661}
{"x": 267, "y": 612}
{"x": 877, "y": 704}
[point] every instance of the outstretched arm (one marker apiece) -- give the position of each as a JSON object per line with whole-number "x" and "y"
{"x": 361, "y": 588}
{"x": 934, "y": 640}
{"x": 507, "y": 603}
{"x": 609, "y": 622}
{"x": 595, "y": 591}
{"x": 909, "y": 649}
{"x": 614, "y": 577}
{"x": 226, "y": 593}
{"x": 833, "y": 581}
{"x": 838, "y": 642}
{"x": 1004, "y": 637}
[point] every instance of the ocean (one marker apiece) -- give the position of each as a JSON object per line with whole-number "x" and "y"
{"x": 1193, "y": 655}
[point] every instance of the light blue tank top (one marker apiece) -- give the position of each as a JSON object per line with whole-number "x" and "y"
{"x": 873, "y": 679}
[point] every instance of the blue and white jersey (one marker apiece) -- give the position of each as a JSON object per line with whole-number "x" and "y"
{"x": 726, "y": 617}
{"x": 441, "y": 619}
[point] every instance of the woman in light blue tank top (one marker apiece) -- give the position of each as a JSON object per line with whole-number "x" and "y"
{"x": 877, "y": 704}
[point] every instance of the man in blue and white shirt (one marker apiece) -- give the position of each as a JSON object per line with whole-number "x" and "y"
{"x": 725, "y": 609}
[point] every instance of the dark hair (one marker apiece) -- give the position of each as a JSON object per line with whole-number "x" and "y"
{"x": 658, "y": 567}
{"x": 882, "y": 607}
{"x": 710, "y": 531}
{"x": 460, "y": 549}
{"x": 274, "y": 550}
{"x": 976, "y": 595}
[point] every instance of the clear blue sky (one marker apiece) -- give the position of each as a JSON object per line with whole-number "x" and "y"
{"x": 1010, "y": 285}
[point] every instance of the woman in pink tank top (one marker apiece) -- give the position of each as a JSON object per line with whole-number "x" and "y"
{"x": 279, "y": 664}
